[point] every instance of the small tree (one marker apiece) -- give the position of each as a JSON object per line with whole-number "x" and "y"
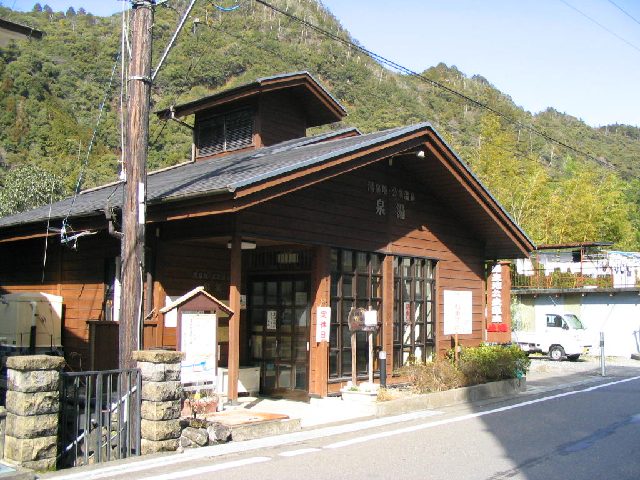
{"x": 37, "y": 8}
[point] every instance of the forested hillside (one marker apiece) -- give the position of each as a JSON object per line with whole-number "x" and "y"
{"x": 50, "y": 91}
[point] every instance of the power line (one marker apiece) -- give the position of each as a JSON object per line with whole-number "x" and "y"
{"x": 602, "y": 26}
{"x": 91, "y": 142}
{"x": 396, "y": 66}
{"x": 177, "y": 96}
{"x": 624, "y": 11}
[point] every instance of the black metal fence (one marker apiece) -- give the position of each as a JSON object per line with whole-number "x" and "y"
{"x": 100, "y": 416}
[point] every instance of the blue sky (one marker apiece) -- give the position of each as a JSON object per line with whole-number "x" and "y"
{"x": 543, "y": 53}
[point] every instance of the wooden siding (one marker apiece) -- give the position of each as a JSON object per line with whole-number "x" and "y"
{"x": 280, "y": 119}
{"x": 78, "y": 276}
{"x": 342, "y": 212}
{"x": 183, "y": 266}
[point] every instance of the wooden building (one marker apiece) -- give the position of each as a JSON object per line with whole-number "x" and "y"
{"x": 12, "y": 31}
{"x": 277, "y": 224}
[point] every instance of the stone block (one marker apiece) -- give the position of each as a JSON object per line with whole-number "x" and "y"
{"x": 150, "y": 446}
{"x": 161, "y": 391}
{"x": 30, "y": 449}
{"x": 184, "y": 442}
{"x": 169, "y": 410}
{"x": 160, "y": 430}
{"x": 152, "y": 372}
{"x": 158, "y": 356}
{"x": 32, "y": 426}
{"x": 35, "y": 362}
{"x": 45, "y": 465}
{"x": 33, "y": 380}
{"x": 219, "y": 433}
{"x": 37, "y": 403}
{"x": 199, "y": 436}
{"x": 172, "y": 371}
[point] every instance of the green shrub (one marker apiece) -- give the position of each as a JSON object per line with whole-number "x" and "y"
{"x": 488, "y": 363}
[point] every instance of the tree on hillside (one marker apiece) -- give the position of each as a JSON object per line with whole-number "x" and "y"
{"x": 26, "y": 187}
{"x": 518, "y": 181}
{"x": 37, "y": 8}
{"x": 590, "y": 204}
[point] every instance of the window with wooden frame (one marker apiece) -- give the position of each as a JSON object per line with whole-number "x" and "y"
{"x": 224, "y": 133}
{"x": 414, "y": 332}
{"x": 356, "y": 281}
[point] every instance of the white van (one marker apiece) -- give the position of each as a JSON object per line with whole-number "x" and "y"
{"x": 559, "y": 335}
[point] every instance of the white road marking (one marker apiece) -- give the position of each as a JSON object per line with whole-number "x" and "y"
{"x": 295, "y": 453}
{"x": 208, "y": 469}
{"x": 424, "y": 426}
{"x": 236, "y": 447}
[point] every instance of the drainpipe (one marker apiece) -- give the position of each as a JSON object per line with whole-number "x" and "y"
{"x": 32, "y": 333}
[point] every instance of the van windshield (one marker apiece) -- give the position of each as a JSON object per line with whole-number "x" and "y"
{"x": 573, "y": 321}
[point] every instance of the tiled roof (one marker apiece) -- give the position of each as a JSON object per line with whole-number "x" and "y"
{"x": 217, "y": 175}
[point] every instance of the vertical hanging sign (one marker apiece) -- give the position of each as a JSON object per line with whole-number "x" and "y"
{"x": 323, "y": 322}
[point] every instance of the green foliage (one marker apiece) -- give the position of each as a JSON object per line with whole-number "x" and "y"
{"x": 27, "y": 187}
{"x": 50, "y": 91}
{"x": 489, "y": 363}
{"x": 486, "y": 363}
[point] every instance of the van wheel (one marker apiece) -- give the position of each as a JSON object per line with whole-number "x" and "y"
{"x": 556, "y": 352}
{"x": 573, "y": 358}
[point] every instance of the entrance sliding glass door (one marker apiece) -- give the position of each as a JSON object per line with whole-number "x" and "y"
{"x": 278, "y": 312}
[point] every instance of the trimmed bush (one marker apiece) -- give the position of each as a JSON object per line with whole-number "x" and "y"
{"x": 486, "y": 363}
{"x": 489, "y": 363}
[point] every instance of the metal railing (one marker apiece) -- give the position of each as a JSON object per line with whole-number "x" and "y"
{"x": 539, "y": 279}
{"x": 100, "y": 416}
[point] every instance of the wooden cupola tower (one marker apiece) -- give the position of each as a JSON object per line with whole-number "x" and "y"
{"x": 266, "y": 112}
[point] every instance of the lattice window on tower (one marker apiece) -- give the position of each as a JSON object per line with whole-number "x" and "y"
{"x": 224, "y": 133}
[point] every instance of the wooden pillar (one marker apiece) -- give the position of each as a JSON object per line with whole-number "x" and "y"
{"x": 387, "y": 311}
{"x": 319, "y": 352}
{"x": 235, "y": 279}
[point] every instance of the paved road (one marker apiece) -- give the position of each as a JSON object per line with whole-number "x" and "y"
{"x": 591, "y": 432}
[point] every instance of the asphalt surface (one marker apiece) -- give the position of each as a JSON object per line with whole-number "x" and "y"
{"x": 571, "y": 423}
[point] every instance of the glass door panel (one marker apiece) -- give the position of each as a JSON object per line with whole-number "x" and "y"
{"x": 279, "y": 316}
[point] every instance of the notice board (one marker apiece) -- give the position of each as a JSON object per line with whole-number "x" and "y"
{"x": 198, "y": 341}
{"x": 457, "y": 312}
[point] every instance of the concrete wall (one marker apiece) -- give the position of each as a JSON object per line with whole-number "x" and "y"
{"x": 617, "y": 315}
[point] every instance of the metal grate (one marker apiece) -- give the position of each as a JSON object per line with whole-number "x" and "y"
{"x": 100, "y": 416}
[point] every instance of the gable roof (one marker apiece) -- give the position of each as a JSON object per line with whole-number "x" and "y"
{"x": 320, "y": 106}
{"x": 193, "y": 293}
{"x": 276, "y": 169}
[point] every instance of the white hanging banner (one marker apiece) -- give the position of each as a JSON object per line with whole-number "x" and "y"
{"x": 457, "y": 312}
{"x": 323, "y": 324}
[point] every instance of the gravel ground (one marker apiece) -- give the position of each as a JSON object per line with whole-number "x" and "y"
{"x": 586, "y": 365}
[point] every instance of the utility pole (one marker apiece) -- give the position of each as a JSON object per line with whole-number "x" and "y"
{"x": 133, "y": 210}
